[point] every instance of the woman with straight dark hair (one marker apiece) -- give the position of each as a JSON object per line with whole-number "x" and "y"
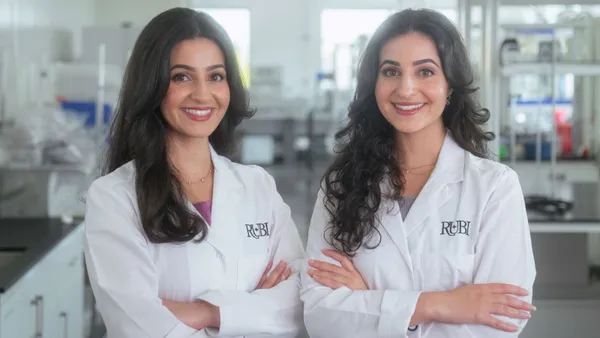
{"x": 179, "y": 240}
{"x": 416, "y": 233}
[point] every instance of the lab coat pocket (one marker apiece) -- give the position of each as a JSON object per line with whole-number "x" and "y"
{"x": 446, "y": 271}
{"x": 252, "y": 262}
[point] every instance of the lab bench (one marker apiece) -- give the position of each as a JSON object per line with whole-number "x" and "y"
{"x": 567, "y": 299}
{"x": 42, "y": 278}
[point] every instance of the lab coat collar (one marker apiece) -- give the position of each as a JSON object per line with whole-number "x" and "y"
{"x": 449, "y": 169}
{"x": 450, "y": 165}
{"x": 226, "y": 191}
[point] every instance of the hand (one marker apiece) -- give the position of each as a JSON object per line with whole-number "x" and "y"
{"x": 476, "y": 304}
{"x": 197, "y": 315}
{"x": 281, "y": 273}
{"x": 333, "y": 276}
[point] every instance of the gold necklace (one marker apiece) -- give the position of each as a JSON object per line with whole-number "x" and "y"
{"x": 202, "y": 179}
{"x": 410, "y": 171}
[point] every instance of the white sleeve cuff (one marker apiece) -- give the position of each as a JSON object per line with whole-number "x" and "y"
{"x": 397, "y": 309}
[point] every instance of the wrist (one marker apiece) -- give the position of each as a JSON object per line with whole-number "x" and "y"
{"x": 211, "y": 314}
{"x": 429, "y": 306}
{"x": 215, "y": 316}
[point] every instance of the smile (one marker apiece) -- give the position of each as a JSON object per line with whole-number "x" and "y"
{"x": 198, "y": 114}
{"x": 411, "y": 107}
{"x": 408, "y": 109}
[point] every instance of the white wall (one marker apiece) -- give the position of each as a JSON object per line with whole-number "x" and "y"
{"x": 115, "y": 12}
{"x": 283, "y": 32}
{"x": 35, "y": 30}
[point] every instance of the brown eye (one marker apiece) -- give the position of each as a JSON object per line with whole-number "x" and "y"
{"x": 425, "y": 72}
{"x": 180, "y": 77}
{"x": 217, "y": 77}
{"x": 390, "y": 72}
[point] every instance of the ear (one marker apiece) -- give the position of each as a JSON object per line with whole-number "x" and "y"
{"x": 449, "y": 92}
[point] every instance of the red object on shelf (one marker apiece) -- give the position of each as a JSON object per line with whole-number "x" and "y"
{"x": 565, "y": 134}
{"x": 564, "y": 131}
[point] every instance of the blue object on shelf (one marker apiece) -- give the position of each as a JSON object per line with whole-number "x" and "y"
{"x": 87, "y": 110}
{"x": 531, "y": 149}
{"x": 533, "y": 31}
{"x": 545, "y": 101}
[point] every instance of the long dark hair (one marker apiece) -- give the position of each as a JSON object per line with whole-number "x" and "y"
{"x": 367, "y": 155}
{"x": 138, "y": 129}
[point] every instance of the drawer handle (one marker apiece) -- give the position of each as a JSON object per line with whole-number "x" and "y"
{"x": 38, "y": 302}
{"x": 66, "y": 324}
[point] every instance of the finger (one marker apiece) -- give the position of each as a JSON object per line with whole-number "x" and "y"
{"x": 263, "y": 278}
{"x": 514, "y": 302}
{"x": 345, "y": 261}
{"x": 328, "y": 282}
{"x": 283, "y": 276}
{"x": 496, "y": 323}
{"x": 274, "y": 276}
{"x": 331, "y": 276}
{"x": 325, "y": 266}
{"x": 507, "y": 311}
{"x": 288, "y": 272}
{"x": 507, "y": 289}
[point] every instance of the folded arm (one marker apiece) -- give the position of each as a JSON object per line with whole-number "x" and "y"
{"x": 343, "y": 312}
{"x": 503, "y": 252}
{"x": 274, "y": 311}
{"x": 122, "y": 274}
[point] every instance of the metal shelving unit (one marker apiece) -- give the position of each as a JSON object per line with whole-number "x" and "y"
{"x": 581, "y": 67}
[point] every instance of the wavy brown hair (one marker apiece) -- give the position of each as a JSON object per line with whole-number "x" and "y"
{"x": 367, "y": 155}
{"x": 138, "y": 131}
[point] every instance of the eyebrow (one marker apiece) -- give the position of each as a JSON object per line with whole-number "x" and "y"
{"x": 190, "y": 68}
{"x": 415, "y": 63}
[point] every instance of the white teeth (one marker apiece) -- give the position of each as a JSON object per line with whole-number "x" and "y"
{"x": 414, "y": 106}
{"x": 197, "y": 112}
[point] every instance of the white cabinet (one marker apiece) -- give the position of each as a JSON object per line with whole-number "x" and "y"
{"x": 48, "y": 301}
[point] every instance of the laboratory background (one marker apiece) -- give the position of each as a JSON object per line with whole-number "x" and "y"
{"x": 61, "y": 64}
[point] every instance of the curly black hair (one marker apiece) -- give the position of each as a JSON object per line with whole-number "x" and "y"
{"x": 367, "y": 153}
{"x": 138, "y": 130}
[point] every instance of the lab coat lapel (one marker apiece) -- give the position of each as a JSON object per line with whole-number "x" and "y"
{"x": 227, "y": 189}
{"x": 436, "y": 192}
{"x": 391, "y": 221}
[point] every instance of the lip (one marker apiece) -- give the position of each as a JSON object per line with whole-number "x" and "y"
{"x": 196, "y": 117}
{"x": 407, "y": 103}
{"x": 407, "y": 112}
{"x": 198, "y": 108}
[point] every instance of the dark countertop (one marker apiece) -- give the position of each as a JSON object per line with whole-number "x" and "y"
{"x": 584, "y": 196}
{"x": 36, "y": 236}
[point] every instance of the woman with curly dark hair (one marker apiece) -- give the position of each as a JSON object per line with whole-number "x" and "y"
{"x": 415, "y": 231}
{"x": 179, "y": 240}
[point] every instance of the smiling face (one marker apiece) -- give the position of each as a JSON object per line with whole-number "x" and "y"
{"x": 198, "y": 94}
{"x": 411, "y": 89}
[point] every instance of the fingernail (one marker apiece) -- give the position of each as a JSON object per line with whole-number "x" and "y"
{"x": 534, "y": 308}
{"x": 526, "y": 314}
{"x": 311, "y": 261}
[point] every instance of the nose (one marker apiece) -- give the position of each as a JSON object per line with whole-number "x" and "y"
{"x": 406, "y": 86}
{"x": 201, "y": 91}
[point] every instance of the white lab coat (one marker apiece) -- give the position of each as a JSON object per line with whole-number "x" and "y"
{"x": 425, "y": 253}
{"x": 129, "y": 274}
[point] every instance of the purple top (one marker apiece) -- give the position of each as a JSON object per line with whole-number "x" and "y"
{"x": 205, "y": 209}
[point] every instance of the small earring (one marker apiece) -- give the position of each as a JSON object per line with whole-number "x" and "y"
{"x": 448, "y": 101}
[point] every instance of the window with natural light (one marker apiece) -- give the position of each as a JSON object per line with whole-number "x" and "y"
{"x": 341, "y": 31}
{"x": 343, "y": 35}
{"x": 236, "y": 21}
